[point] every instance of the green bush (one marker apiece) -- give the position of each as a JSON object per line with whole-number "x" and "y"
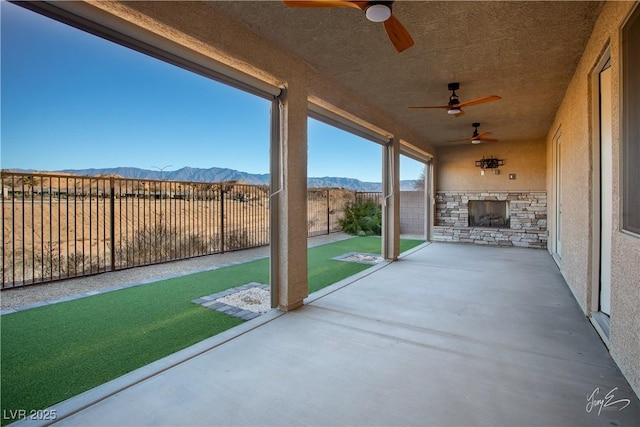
{"x": 362, "y": 219}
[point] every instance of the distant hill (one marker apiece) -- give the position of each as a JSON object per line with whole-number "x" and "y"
{"x": 223, "y": 174}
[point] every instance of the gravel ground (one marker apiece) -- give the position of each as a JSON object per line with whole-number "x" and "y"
{"x": 18, "y": 297}
{"x": 254, "y": 299}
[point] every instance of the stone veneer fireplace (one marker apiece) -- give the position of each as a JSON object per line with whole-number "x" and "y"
{"x": 502, "y": 218}
{"x": 489, "y": 213}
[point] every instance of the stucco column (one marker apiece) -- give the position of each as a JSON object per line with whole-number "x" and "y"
{"x": 289, "y": 202}
{"x": 428, "y": 200}
{"x": 391, "y": 200}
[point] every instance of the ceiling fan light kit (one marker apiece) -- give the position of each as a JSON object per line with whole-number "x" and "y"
{"x": 378, "y": 12}
{"x": 375, "y": 11}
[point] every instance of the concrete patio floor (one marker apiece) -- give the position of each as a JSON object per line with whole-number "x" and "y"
{"x": 449, "y": 335}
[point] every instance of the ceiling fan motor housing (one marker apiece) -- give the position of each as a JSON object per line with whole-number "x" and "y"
{"x": 475, "y": 137}
{"x": 453, "y": 99}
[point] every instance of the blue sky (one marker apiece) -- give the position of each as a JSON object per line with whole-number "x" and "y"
{"x": 70, "y": 100}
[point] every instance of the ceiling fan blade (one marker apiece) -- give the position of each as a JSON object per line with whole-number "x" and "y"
{"x": 488, "y": 140}
{"x": 483, "y": 134}
{"x": 432, "y": 106}
{"x": 480, "y": 101}
{"x": 459, "y": 140}
{"x": 325, "y": 3}
{"x": 398, "y": 34}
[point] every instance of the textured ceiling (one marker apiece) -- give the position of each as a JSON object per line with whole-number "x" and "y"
{"x": 525, "y": 52}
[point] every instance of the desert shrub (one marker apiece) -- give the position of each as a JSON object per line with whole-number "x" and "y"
{"x": 7, "y": 264}
{"x": 76, "y": 262}
{"x": 197, "y": 244}
{"x": 159, "y": 243}
{"x": 149, "y": 244}
{"x": 49, "y": 262}
{"x": 237, "y": 239}
{"x": 362, "y": 218}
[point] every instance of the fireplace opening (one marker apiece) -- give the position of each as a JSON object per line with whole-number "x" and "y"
{"x": 488, "y": 213}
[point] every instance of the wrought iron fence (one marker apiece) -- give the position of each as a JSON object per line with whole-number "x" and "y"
{"x": 62, "y": 226}
{"x": 325, "y": 207}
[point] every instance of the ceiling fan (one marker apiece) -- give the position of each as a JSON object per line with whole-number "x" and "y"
{"x": 375, "y": 11}
{"x": 477, "y": 138}
{"x": 455, "y": 106}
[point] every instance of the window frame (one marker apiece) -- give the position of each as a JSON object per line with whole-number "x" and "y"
{"x": 91, "y": 20}
{"x": 630, "y": 141}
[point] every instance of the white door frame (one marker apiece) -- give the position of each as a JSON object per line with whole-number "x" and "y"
{"x": 557, "y": 157}
{"x": 602, "y": 203}
{"x": 606, "y": 191}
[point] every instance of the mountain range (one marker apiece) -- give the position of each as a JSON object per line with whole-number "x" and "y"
{"x": 223, "y": 174}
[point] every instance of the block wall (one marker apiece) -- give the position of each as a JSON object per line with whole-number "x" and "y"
{"x": 412, "y": 212}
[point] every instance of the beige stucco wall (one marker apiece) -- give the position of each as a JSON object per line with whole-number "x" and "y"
{"x": 456, "y": 169}
{"x": 577, "y": 142}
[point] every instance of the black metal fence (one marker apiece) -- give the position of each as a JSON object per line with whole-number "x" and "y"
{"x": 62, "y": 226}
{"x": 324, "y": 209}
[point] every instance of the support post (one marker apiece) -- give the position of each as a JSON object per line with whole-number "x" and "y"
{"x": 288, "y": 207}
{"x": 391, "y": 200}
{"x": 428, "y": 200}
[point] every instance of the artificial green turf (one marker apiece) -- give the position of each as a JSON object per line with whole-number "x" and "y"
{"x": 324, "y": 272}
{"x": 52, "y": 353}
